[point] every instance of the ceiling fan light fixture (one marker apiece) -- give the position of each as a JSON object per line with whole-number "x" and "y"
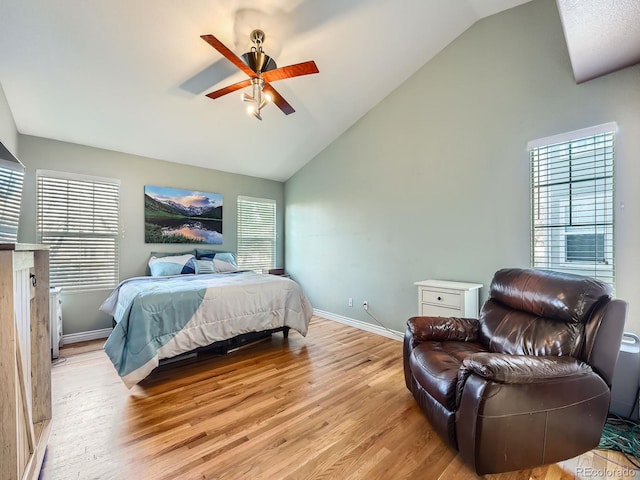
{"x": 258, "y": 100}
{"x": 262, "y": 71}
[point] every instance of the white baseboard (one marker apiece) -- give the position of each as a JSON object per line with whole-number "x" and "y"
{"x": 85, "y": 336}
{"x": 352, "y": 322}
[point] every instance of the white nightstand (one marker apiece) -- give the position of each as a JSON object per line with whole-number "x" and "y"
{"x": 441, "y": 298}
{"x": 55, "y": 313}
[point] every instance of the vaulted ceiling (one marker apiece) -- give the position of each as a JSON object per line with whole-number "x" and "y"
{"x": 602, "y": 35}
{"x": 132, "y": 76}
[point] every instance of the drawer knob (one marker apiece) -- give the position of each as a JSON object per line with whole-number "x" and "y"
{"x": 439, "y": 298}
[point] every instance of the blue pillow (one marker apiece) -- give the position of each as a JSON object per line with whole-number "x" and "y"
{"x": 172, "y": 265}
{"x": 205, "y": 253}
{"x": 172, "y": 254}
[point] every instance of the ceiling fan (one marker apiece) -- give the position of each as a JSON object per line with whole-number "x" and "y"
{"x": 261, "y": 70}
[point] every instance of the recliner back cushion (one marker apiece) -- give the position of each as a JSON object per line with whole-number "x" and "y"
{"x": 554, "y": 295}
{"x": 506, "y": 330}
{"x": 538, "y": 312}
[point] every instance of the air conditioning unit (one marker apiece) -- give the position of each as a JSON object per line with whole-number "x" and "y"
{"x": 626, "y": 379}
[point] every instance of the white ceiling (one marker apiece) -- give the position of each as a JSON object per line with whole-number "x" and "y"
{"x": 131, "y": 76}
{"x": 602, "y": 35}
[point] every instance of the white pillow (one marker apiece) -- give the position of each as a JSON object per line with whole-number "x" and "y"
{"x": 205, "y": 265}
{"x": 225, "y": 262}
{"x": 172, "y": 265}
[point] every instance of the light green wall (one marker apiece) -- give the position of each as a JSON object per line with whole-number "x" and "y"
{"x": 8, "y": 131}
{"x": 433, "y": 183}
{"x": 80, "y": 310}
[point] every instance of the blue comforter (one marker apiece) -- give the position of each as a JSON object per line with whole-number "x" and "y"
{"x": 161, "y": 317}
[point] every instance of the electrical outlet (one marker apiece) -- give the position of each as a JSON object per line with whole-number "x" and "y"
{"x": 365, "y": 305}
{"x": 350, "y": 302}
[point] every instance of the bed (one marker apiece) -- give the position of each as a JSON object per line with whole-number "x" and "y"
{"x": 160, "y": 317}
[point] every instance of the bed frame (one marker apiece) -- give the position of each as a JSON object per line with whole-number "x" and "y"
{"x": 223, "y": 347}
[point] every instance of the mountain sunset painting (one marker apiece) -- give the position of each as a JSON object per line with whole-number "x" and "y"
{"x": 172, "y": 215}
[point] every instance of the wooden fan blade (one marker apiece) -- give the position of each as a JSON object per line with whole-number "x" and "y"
{"x": 228, "y": 54}
{"x": 229, "y": 89}
{"x": 278, "y": 99}
{"x": 297, "y": 70}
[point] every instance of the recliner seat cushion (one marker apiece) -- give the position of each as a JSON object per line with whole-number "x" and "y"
{"x": 435, "y": 367}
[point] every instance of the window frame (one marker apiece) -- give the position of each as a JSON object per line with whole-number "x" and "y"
{"x": 572, "y": 188}
{"x": 69, "y": 225}
{"x": 11, "y": 187}
{"x": 247, "y": 259}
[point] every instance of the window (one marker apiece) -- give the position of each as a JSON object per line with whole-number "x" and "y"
{"x": 11, "y": 180}
{"x": 256, "y": 234}
{"x": 77, "y": 216}
{"x": 572, "y": 199}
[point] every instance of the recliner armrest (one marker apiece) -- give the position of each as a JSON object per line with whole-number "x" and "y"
{"x": 505, "y": 368}
{"x": 441, "y": 329}
{"x": 520, "y": 411}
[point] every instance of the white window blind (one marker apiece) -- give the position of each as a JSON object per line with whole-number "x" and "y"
{"x": 572, "y": 199}
{"x": 11, "y": 181}
{"x": 78, "y": 217}
{"x": 256, "y": 234}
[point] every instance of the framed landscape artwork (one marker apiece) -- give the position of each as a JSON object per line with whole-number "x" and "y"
{"x": 172, "y": 215}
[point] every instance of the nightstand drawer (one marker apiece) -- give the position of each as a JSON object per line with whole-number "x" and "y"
{"x": 430, "y": 310}
{"x": 445, "y": 299}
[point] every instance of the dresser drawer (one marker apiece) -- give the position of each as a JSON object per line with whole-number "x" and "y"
{"x": 445, "y": 299}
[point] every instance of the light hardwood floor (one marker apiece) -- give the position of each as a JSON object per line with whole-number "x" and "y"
{"x": 332, "y": 405}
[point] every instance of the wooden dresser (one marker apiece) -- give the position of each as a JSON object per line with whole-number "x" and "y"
{"x": 25, "y": 360}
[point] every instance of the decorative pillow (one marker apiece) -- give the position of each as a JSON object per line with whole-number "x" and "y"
{"x": 172, "y": 265}
{"x": 205, "y": 253}
{"x": 225, "y": 262}
{"x": 172, "y": 254}
{"x": 205, "y": 265}
{"x": 169, "y": 254}
{"x": 222, "y": 261}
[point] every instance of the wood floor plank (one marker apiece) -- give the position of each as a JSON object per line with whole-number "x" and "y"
{"x": 332, "y": 405}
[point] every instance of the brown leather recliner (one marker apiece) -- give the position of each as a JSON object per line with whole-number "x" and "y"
{"x": 529, "y": 382}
